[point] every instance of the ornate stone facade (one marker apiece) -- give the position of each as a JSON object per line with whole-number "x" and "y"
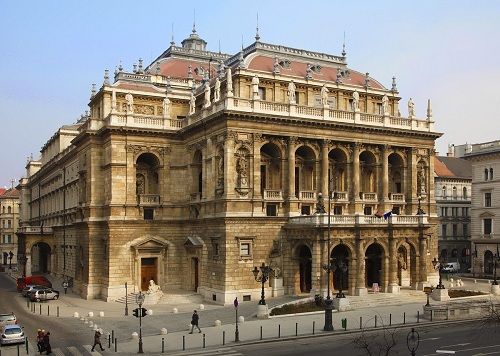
{"x": 230, "y": 178}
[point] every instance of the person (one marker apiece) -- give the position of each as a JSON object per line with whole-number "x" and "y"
{"x": 97, "y": 340}
{"x": 194, "y": 322}
{"x": 39, "y": 340}
{"x": 46, "y": 343}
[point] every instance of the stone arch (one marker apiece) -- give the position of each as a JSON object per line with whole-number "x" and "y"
{"x": 374, "y": 264}
{"x": 488, "y": 262}
{"x": 305, "y": 169}
{"x": 341, "y": 256}
{"x": 147, "y": 167}
{"x": 337, "y": 169}
{"x": 304, "y": 258}
{"x": 270, "y": 167}
{"x": 396, "y": 173}
{"x": 368, "y": 172}
{"x": 41, "y": 257}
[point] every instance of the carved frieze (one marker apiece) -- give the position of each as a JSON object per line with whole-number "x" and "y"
{"x": 138, "y": 149}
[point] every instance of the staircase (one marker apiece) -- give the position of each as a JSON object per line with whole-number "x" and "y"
{"x": 174, "y": 297}
{"x": 130, "y": 298}
{"x": 383, "y": 299}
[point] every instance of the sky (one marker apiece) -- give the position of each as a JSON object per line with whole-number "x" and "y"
{"x": 52, "y": 52}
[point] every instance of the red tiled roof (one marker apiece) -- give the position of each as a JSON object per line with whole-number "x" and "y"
{"x": 2, "y": 190}
{"x": 298, "y": 69}
{"x": 178, "y": 68}
{"x": 9, "y": 193}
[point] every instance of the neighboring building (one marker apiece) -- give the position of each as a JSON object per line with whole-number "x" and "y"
{"x": 9, "y": 220}
{"x": 194, "y": 170}
{"x": 452, "y": 180}
{"x": 485, "y": 211}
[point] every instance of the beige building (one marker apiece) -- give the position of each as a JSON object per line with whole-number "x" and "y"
{"x": 9, "y": 221}
{"x": 202, "y": 165}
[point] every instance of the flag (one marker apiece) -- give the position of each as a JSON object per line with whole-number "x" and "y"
{"x": 385, "y": 215}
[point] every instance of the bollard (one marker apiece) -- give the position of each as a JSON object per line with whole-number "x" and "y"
{"x": 404, "y": 318}
{"x": 375, "y": 321}
{"x": 183, "y": 342}
{"x": 360, "y": 322}
{"x": 17, "y": 349}
{"x": 27, "y": 302}
{"x": 162, "y": 345}
{"x": 48, "y": 310}
{"x": 112, "y": 335}
{"x": 390, "y": 319}
{"x": 296, "y": 329}
{"x": 116, "y": 345}
{"x": 109, "y": 341}
{"x": 58, "y": 311}
{"x": 203, "y": 340}
{"x": 261, "y": 332}
{"x": 40, "y": 309}
{"x": 431, "y": 314}
{"x": 279, "y": 331}
{"x": 418, "y": 316}
{"x": 223, "y": 338}
{"x": 26, "y": 345}
{"x": 314, "y": 324}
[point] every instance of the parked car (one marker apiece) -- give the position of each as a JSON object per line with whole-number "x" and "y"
{"x": 8, "y": 319}
{"x": 11, "y": 334}
{"x": 29, "y": 288}
{"x": 451, "y": 267}
{"x": 39, "y": 280}
{"x": 38, "y": 295}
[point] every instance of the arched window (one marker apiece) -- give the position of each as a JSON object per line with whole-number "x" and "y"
{"x": 454, "y": 193}
{"x": 443, "y": 192}
{"x": 491, "y": 173}
{"x": 486, "y": 174}
{"x": 9, "y": 210}
{"x": 464, "y": 192}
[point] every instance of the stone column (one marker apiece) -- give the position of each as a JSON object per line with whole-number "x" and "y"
{"x": 324, "y": 169}
{"x": 360, "y": 278}
{"x": 256, "y": 170}
{"x": 393, "y": 266}
{"x": 385, "y": 177}
{"x": 355, "y": 176}
{"x": 412, "y": 186}
{"x": 422, "y": 263}
{"x": 291, "y": 168}
{"x": 229, "y": 176}
{"x": 28, "y": 264}
{"x": 316, "y": 268}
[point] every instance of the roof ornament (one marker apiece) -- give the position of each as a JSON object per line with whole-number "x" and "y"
{"x": 106, "y": 77}
{"x": 120, "y": 67}
{"x": 429, "y": 110}
{"x": 94, "y": 91}
{"x": 139, "y": 69}
{"x": 276, "y": 66}
{"x": 134, "y": 70}
{"x": 221, "y": 69}
{"x": 158, "y": 68}
{"x": 309, "y": 71}
{"x": 169, "y": 85}
{"x": 190, "y": 72}
{"x": 367, "y": 79}
{"x": 339, "y": 76}
{"x": 219, "y": 47}
{"x": 172, "y": 42}
{"x": 241, "y": 59}
{"x": 257, "y": 36}
{"x": 194, "y": 21}
{"x": 394, "y": 87}
{"x": 343, "y": 48}
{"x": 116, "y": 71}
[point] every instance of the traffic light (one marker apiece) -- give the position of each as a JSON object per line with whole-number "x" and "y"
{"x": 135, "y": 312}
{"x": 144, "y": 312}
{"x": 139, "y": 312}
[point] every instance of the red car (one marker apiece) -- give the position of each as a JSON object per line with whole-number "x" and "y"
{"x": 39, "y": 280}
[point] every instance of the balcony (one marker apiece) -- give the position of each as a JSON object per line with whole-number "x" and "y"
{"x": 397, "y": 197}
{"x": 35, "y": 230}
{"x": 149, "y": 199}
{"x": 273, "y": 194}
{"x": 368, "y": 197}
{"x": 341, "y": 197}
{"x": 351, "y": 220}
{"x": 307, "y": 195}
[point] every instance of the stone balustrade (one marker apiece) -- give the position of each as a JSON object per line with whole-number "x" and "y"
{"x": 397, "y": 197}
{"x": 349, "y": 220}
{"x": 35, "y": 230}
{"x": 340, "y": 196}
{"x": 368, "y": 196}
{"x": 143, "y": 121}
{"x": 149, "y": 199}
{"x": 273, "y": 194}
{"x": 307, "y": 195}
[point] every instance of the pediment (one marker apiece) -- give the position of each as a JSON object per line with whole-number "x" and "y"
{"x": 193, "y": 241}
{"x": 150, "y": 243}
{"x": 486, "y": 215}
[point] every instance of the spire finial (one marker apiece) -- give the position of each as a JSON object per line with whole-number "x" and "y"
{"x": 343, "y": 47}
{"x": 219, "y": 46}
{"x": 429, "y": 110}
{"x": 257, "y": 36}
{"x": 172, "y": 42}
{"x": 394, "y": 87}
{"x": 194, "y": 21}
{"x": 241, "y": 43}
{"x": 106, "y": 77}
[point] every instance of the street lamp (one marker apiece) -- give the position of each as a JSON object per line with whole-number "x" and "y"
{"x": 438, "y": 266}
{"x": 261, "y": 275}
{"x": 412, "y": 341}
{"x": 419, "y": 208}
{"x": 139, "y": 299}
{"x": 236, "y": 331}
{"x": 11, "y": 254}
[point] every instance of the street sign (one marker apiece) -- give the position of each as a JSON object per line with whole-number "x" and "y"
{"x": 428, "y": 290}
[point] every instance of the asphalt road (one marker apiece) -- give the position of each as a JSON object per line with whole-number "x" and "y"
{"x": 464, "y": 339}
{"x": 63, "y": 331}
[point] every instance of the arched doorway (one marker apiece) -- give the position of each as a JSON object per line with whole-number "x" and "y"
{"x": 305, "y": 269}
{"x": 488, "y": 262}
{"x": 40, "y": 254}
{"x": 373, "y": 256}
{"x": 340, "y": 257}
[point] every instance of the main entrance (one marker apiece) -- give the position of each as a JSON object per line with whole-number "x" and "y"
{"x": 305, "y": 269}
{"x": 373, "y": 264}
{"x": 149, "y": 271}
{"x": 194, "y": 273}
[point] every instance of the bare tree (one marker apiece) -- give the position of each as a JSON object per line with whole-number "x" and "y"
{"x": 379, "y": 342}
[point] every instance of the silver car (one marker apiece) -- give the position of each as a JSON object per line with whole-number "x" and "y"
{"x": 8, "y": 319}
{"x": 38, "y": 295}
{"x": 12, "y": 334}
{"x": 30, "y": 288}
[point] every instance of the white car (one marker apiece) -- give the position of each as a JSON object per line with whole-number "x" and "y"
{"x": 12, "y": 334}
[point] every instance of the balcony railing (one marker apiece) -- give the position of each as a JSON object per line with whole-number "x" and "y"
{"x": 149, "y": 199}
{"x": 35, "y": 230}
{"x": 347, "y": 220}
{"x": 307, "y": 195}
{"x": 339, "y": 196}
{"x": 368, "y": 196}
{"x": 272, "y": 194}
{"x": 397, "y": 197}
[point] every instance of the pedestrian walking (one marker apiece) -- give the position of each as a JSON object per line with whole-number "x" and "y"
{"x": 39, "y": 340}
{"x": 194, "y": 322}
{"x": 46, "y": 343}
{"x": 97, "y": 341}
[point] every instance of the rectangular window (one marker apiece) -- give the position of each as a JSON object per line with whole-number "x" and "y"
{"x": 9, "y": 224}
{"x": 454, "y": 211}
{"x": 443, "y": 230}
{"x": 262, "y": 93}
{"x": 215, "y": 248}
{"x": 396, "y": 210}
{"x": 368, "y": 210}
{"x": 455, "y": 230}
{"x": 465, "y": 230}
{"x": 271, "y": 210}
{"x": 442, "y": 211}
{"x": 465, "y": 211}
{"x": 148, "y": 214}
{"x": 305, "y": 210}
{"x": 245, "y": 249}
{"x": 379, "y": 109}
{"x": 337, "y": 210}
{"x": 487, "y": 226}
{"x": 487, "y": 200}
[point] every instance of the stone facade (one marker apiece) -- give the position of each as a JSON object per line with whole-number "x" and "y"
{"x": 9, "y": 220}
{"x": 201, "y": 166}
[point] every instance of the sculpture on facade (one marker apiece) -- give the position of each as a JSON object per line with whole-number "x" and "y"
{"x": 217, "y": 90}
{"x": 291, "y": 92}
{"x": 166, "y": 108}
{"x": 355, "y": 100}
{"x": 421, "y": 181}
{"x": 207, "y": 94}
{"x": 411, "y": 108}
{"x": 192, "y": 104}
{"x": 153, "y": 287}
{"x": 385, "y": 105}
{"x": 220, "y": 171}
{"x": 229, "y": 82}
{"x": 130, "y": 102}
{"x": 255, "y": 87}
{"x": 242, "y": 170}
{"x": 324, "y": 95}
{"x": 402, "y": 261}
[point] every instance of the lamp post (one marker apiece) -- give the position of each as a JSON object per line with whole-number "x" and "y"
{"x": 11, "y": 254}
{"x": 261, "y": 275}
{"x": 126, "y": 299}
{"x": 236, "y": 331}
{"x": 139, "y": 299}
{"x": 412, "y": 341}
{"x": 495, "y": 263}
{"x": 320, "y": 209}
{"x": 438, "y": 266}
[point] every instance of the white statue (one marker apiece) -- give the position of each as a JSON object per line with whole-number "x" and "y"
{"x": 192, "y": 104}
{"x": 217, "y": 90}
{"x": 355, "y": 100}
{"x": 385, "y": 105}
{"x": 113, "y": 100}
{"x": 166, "y": 108}
{"x": 130, "y": 102}
{"x": 255, "y": 87}
{"x": 324, "y": 95}
{"x": 291, "y": 92}
{"x": 153, "y": 287}
{"x": 207, "y": 94}
{"x": 229, "y": 82}
{"x": 411, "y": 108}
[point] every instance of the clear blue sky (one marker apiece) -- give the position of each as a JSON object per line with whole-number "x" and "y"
{"x": 52, "y": 51}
